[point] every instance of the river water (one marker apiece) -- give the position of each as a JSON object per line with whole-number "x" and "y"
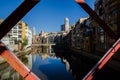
{"x": 60, "y": 65}
{"x": 50, "y": 68}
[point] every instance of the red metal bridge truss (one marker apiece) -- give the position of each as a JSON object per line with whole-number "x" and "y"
{"x": 106, "y": 28}
{"x": 22, "y": 10}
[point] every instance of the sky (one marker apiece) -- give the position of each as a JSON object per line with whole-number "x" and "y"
{"x": 47, "y": 15}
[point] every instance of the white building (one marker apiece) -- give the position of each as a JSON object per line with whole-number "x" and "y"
{"x": 29, "y": 36}
{"x": 19, "y": 32}
{"x": 66, "y": 26}
{"x": 34, "y": 31}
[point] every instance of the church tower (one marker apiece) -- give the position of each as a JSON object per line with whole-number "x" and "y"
{"x": 66, "y": 24}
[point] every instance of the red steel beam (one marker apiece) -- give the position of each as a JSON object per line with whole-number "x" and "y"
{"x": 17, "y": 15}
{"x": 16, "y": 63}
{"x": 103, "y": 60}
{"x": 104, "y": 26}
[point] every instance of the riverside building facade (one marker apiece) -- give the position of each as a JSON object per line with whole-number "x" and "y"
{"x": 109, "y": 11}
{"x": 19, "y": 32}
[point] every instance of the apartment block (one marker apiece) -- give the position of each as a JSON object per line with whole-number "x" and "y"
{"x": 20, "y": 32}
{"x": 109, "y": 11}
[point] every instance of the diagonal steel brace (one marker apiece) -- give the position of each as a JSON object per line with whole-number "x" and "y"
{"x": 102, "y": 24}
{"x": 17, "y": 15}
{"x": 107, "y": 29}
{"x": 5, "y": 27}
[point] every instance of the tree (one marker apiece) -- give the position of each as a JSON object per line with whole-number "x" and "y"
{"x": 24, "y": 42}
{"x": 17, "y": 41}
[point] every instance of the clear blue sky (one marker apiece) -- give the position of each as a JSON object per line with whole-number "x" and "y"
{"x": 47, "y": 15}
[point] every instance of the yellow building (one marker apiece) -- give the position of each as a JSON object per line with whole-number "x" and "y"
{"x": 22, "y": 29}
{"x": 20, "y": 32}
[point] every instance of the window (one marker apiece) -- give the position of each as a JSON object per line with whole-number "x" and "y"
{"x": 19, "y": 32}
{"x": 20, "y": 27}
{"x": 19, "y": 36}
{"x": 15, "y": 27}
{"x": 14, "y": 31}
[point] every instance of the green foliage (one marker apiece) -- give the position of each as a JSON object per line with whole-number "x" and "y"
{"x": 17, "y": 41}
{"x": 24, "y": 42}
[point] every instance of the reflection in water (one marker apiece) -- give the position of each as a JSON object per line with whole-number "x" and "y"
{"x": 61, "y": 65}
{"x": 41, "y": 49}
{"x": 80, "y": 65}
{"x": 76, "y": 64}
{"x": 8, "y": 73}
{"x": 48, "y": 67}
{"x": 35, "y": 68}
{"x": 67, "y": 64}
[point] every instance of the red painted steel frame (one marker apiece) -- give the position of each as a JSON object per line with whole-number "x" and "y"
{"x": 106, "y": 28}
{"x": 5, "y": 27}
{"x": 80, "y": 1}
{"x": 103, "y": 60}
{"x": 17, "y": 15}
{"x": 15, "y": 63}
{"x": 102, "y": 24}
